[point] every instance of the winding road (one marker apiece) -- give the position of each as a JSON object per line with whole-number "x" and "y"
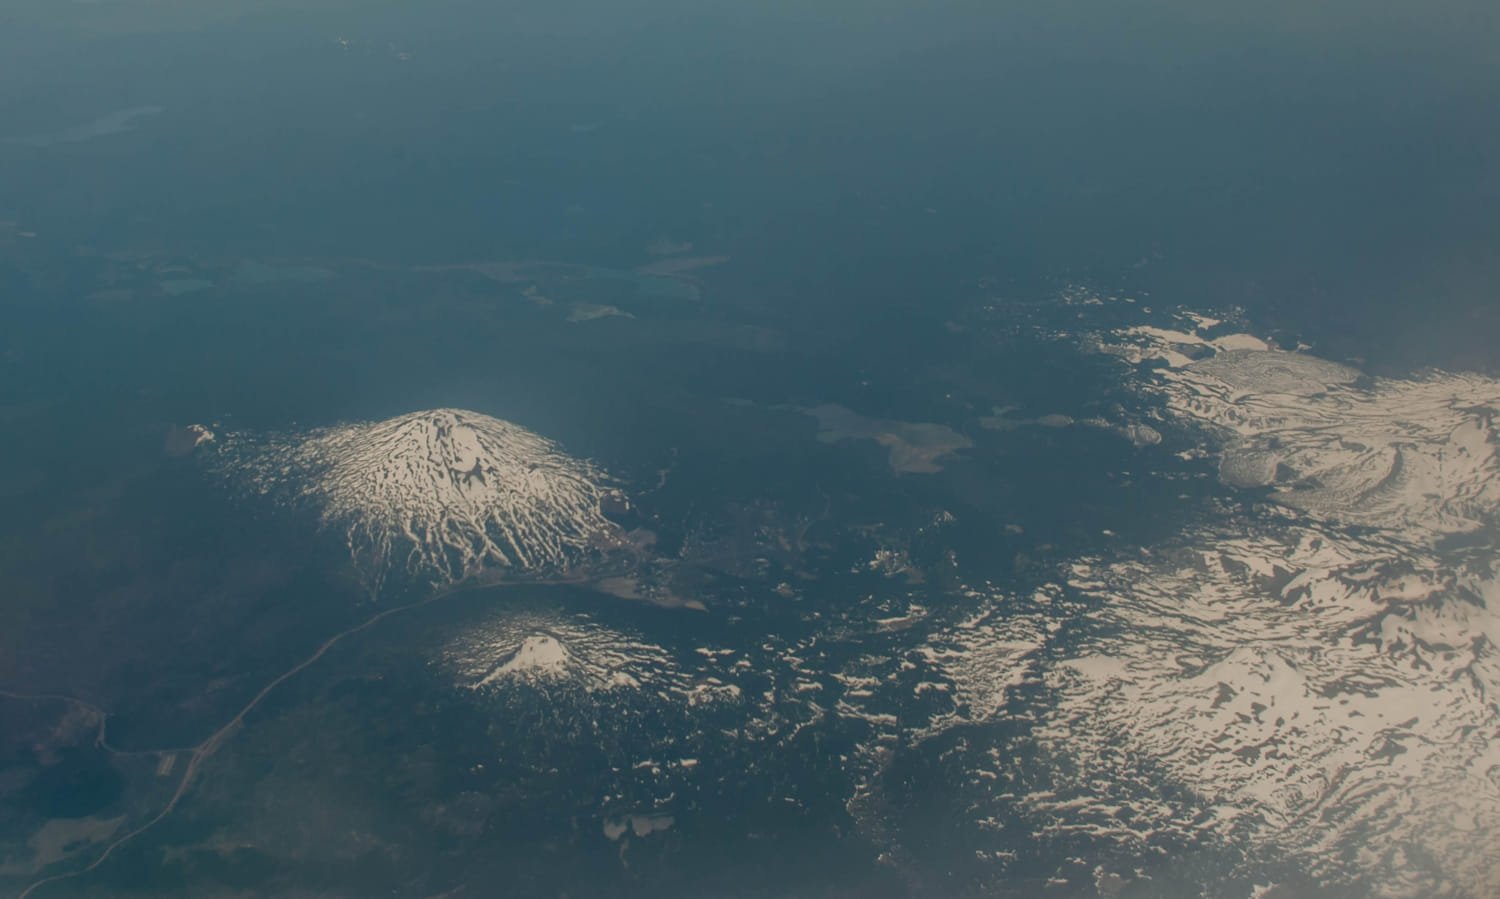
{"x": 203, "y": 751}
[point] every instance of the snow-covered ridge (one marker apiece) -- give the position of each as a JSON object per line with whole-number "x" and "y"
{"x": 1326, "y": 693}
{"x": 437, "y": 495}
{"x": 1320, "y": 695}
{"x": 1417, "y": 453}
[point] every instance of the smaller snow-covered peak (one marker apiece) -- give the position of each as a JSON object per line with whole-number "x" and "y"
{"x": 552, "y": 650}
{"x": 539, "y": 655}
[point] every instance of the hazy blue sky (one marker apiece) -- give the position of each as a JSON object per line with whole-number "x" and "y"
{"x": 1337, "y": 164}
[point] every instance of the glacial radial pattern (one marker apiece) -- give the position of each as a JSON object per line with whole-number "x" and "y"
{"x": 439, "y": 495}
